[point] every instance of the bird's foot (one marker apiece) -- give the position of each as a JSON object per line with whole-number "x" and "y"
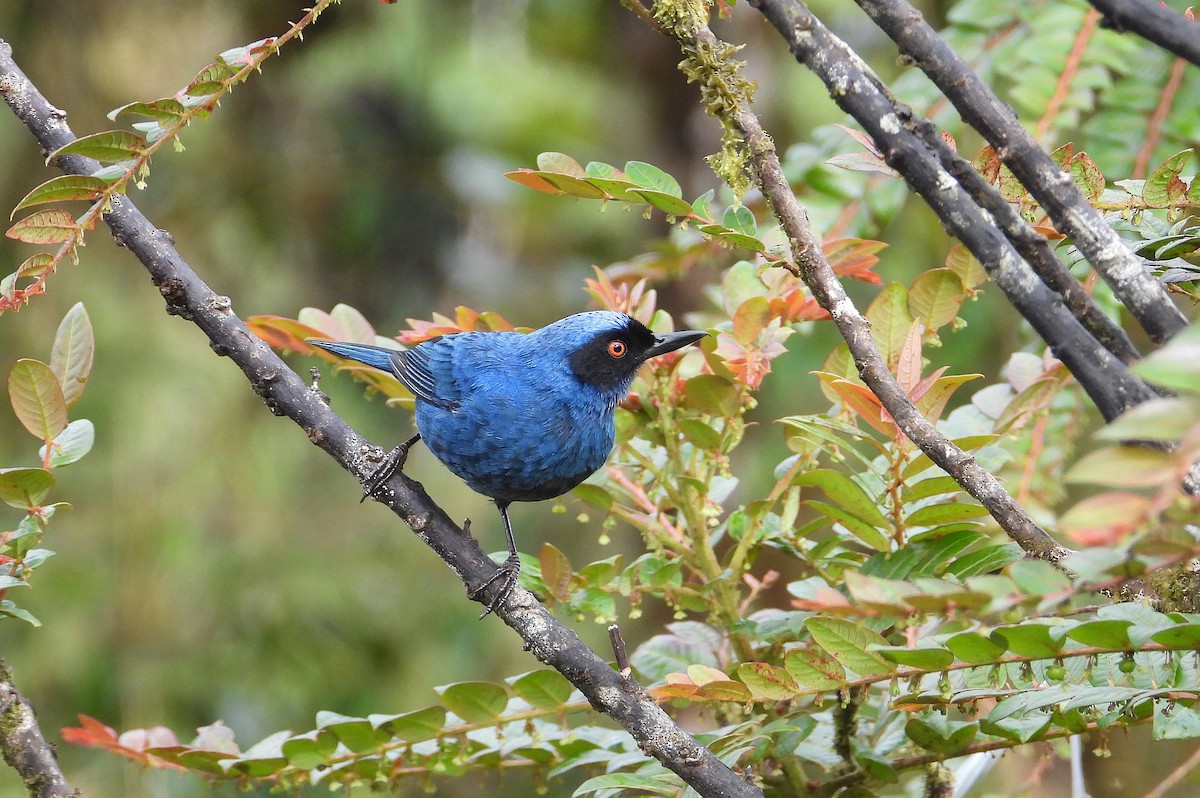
{"x": 507, "y": 575}
{"x": 391, "y": 464}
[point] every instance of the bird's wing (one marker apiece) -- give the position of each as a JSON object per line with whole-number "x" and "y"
{"x": 413, "y": 368}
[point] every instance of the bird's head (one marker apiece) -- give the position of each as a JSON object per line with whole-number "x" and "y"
{"x": 604, "y": 348}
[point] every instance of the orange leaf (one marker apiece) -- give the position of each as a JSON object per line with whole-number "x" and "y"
{"x": 530, "y": 179}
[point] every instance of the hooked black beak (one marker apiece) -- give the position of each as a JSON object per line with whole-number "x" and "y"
{"x": 672, "y": 341}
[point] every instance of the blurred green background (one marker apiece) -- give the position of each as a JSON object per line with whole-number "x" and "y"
{"x": 214, "y": 564}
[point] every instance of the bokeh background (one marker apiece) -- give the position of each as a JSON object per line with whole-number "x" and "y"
{"x": 214, "y": 565}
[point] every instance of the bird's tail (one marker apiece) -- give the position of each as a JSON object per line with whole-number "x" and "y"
{"x": 375, "y": 356}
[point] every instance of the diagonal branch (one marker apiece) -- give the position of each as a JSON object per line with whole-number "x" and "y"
{"x": 188, "y": 297}
{"x": 1146, "y": 298}
{"x": 25, "y": 749}
{"x": 698, "y": 42}
{"x": 1154, "y": 23}
{"x": 903, "y": 138}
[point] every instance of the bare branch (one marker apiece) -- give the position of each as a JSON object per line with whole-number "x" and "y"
{"x": 1153, "y": 22}
{"x": 286, "y": 394}
{"x": 1146, "y": 299}
{"x": 25, "y": 749}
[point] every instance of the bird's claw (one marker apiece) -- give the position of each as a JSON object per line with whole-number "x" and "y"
{"x": 391, "y": 464}
{"x": 507, "y": 572}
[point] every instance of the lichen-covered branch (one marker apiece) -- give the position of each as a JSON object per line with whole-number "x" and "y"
{"x": 187, "y": 296}
{"x": 25, "y": 749}
{"x": 720, "y": 89}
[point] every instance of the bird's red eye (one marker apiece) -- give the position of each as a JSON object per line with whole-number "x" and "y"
{"x": 617, "y": 349}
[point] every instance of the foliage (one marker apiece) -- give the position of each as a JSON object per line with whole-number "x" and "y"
{"x": 910, "y": 633}
{"x": 41, "y": 396}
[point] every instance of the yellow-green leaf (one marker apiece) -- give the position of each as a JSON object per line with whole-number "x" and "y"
{"x": 110, "y": 146}
{"x": 62, "y": 188}
{"x": 890, "y": 320}
{"x": 936, "y": 297}
{"x": 848, "y": 643}
{"x": 71, "y": 357}
{"x": 47, "y": 226}
{"x": 37, "y": 399}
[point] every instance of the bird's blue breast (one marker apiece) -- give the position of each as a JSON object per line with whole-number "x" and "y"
{"x": 522, "y": 427}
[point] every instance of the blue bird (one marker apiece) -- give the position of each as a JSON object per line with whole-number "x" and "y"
{"x": 518, "y": 417}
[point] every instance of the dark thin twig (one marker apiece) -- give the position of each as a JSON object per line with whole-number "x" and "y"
{"x": 859, "y": 92}
{"x": 695, "y": 37}
{"x": 618, "y": 646}
{"x": 188, "y": 297}
{"x": 25, "y": 749}
{"x": 1154, "y": 23}
{"x": 1146, "y": 299}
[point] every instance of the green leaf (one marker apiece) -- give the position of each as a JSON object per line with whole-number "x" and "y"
{"x": 308, "y": 750}
{"x": 927, "y": 656}
{"x": 975, "y": 648}
{"x": 166, "y": 110}
{"x": 936, "y": 297}
{"x": 63, "y": 188}
{"x": 545, "y": 689}
{"x": 71, "y": 356}
{"x": 601, "y": 572}
{"x": 767, "y": 682}
{"x": 935, "y": 732}
{"x": 111, "y": 146}
{"x": 264, "y": 758}
{"x": 1176, "y": 365}
{"x": 1030, "y": 640}
{"x": 1020, "y": 730}
{"x": 856, "y": 526}
{"x": 936, "y": 514}
{"x": 1164, "y": 188}
{"x": 846, "y": 493}
{"x": 635, "y": 783}
{"x": 71, "y": 444}
{"x": 1039, "y": 578}
{"x": 1123, "y": 466}
{"x": 667, "y": 203}
{"x": 933, "y": 486}
{"x": 1174, "y": 721}
{"x": 575, "y": 186}
{"x": 47, "y": 226}
{"x": 7, "y": 607}
{"x": 700, "y": 434}
{"x": 813, "y": 670}
{"x": 1185, "y": 636}
{"x": 357, "y": 734}
{"x": 1162, "y": 419}
{"x": 847, "y": 643}
{"x": 740, "y": 219}
{"x": 649, "y": 176}
{"x": 890, "y": 320}
{"x": 986, "y": 560}
{"x": 712, "y": 394}
{"x": 37, "y": 399}
{"x": 475, "y": 702}
{"x": 593, "y": 495}
{"x": 418, "y": 725}
{"x": 702, "y": 207}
